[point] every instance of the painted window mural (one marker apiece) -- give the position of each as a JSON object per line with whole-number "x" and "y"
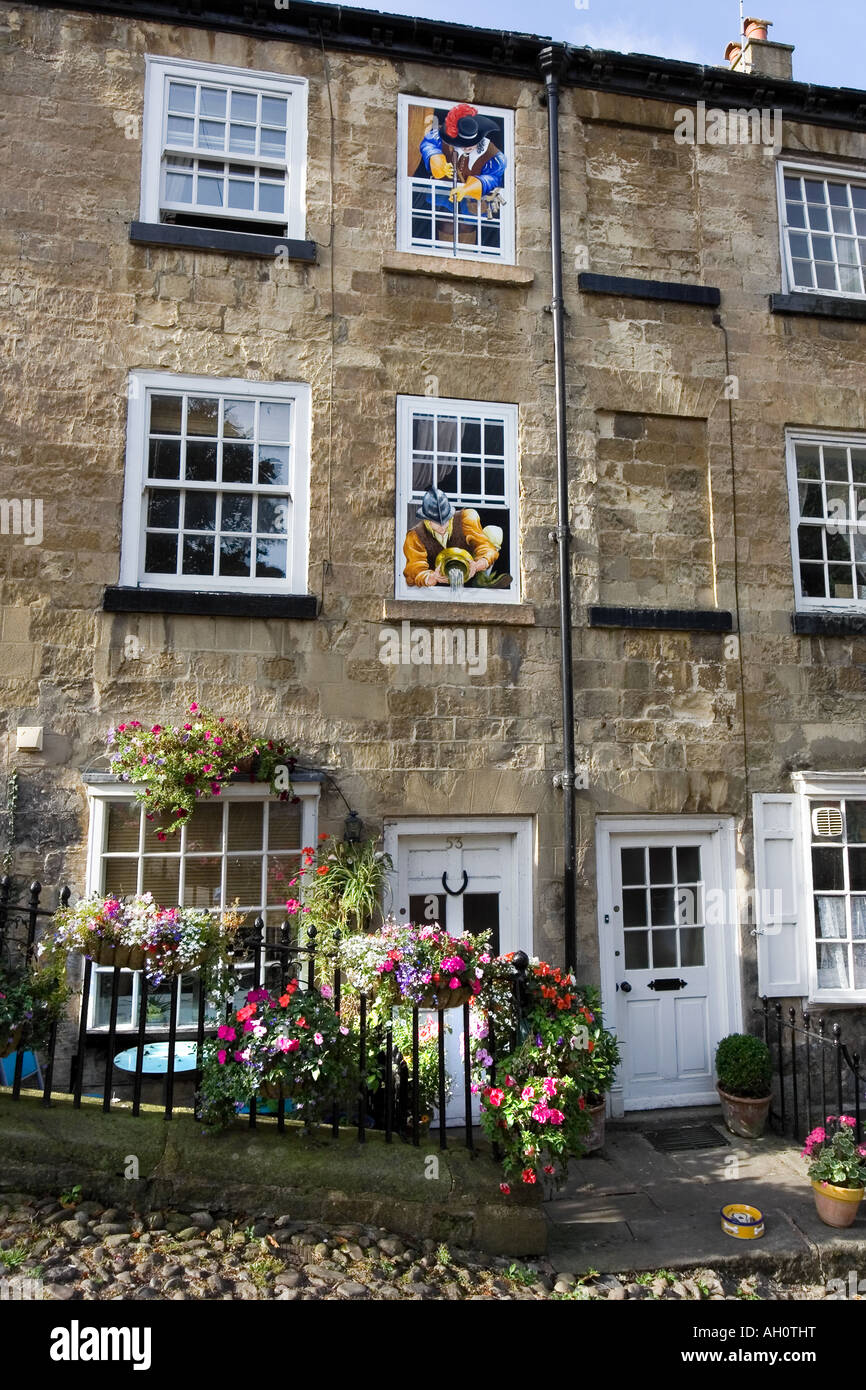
{"x": 456, "y": 500}
{"x": 456, "y": 178}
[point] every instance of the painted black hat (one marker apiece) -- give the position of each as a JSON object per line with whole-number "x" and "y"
{"x": 471, "y": 130}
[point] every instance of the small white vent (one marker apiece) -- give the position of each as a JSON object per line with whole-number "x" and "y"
{"x": 827, "y": 822}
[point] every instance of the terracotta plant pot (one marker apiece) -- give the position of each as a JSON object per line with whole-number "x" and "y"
{"x": 127, "y": 957}
{"x": 595, "y": 1138}
{"x": 837, "y": 1206}
{"x": 13, "y": 1043}
{"x": 745, "y": 1116}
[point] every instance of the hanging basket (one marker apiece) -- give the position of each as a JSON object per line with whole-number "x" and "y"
{"x": 13, "y": 1042}
{"x": 446, "y": 998}
{"x": 124, "y": 957}
{"x": 169, "y": 966}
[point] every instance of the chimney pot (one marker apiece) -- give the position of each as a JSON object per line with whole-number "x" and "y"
{"x": 733, "y": 52}
{"x": 757, "y": 28}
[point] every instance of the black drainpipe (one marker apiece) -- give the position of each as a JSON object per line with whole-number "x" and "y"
{"x": 550, "y": 61}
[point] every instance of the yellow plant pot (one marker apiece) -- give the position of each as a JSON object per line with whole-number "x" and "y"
{"x": 837, "y": 1206}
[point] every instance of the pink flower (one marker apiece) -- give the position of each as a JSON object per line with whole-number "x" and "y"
{"x": 550, "y": 1086}
{"x": 503, "y": 1187}
{"x": 454, "y": 983}
{"x": 509, "y": 1081}
{"x": 221, "y": 1056}
{"x": 528, "y": 1093}
{"x": 224, "y": 1031}
{"x": 193, "y": 708}
{"x": 848, "y": 1120}
{"x": 292, "y": 906}
{"x": 318, "y": 1039}
{"x": 541, "y": 1113}
{"x": 495, "y": 1098}
{"x": 326, "y": 992}
{"x": 293, "y": 1045}
{"x": 555, "y": 1117}
{"x": 549, "y": 1169}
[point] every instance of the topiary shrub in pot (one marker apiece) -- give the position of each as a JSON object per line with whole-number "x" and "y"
{"x": 744, "y": 1072}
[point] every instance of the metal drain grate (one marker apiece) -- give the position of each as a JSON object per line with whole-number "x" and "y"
{"x": 680, "y": 1138}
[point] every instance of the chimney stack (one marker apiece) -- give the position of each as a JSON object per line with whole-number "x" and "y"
{"x": 754, "y": 53}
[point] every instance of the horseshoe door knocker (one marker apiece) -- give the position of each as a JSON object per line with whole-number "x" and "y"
{"x": 455, "y": 892}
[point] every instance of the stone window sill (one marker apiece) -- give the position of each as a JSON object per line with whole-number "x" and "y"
{"x": 408, "y": 263}
{"x": 825, "y": 306}
{"x": 829, "y": 624}
{"x": 664, "y": 619}
{"x": 119, "y": 599}
{"x": 625, "y": 286}
{"x": 229, "y": 243}
{"x": 416, "y": 610}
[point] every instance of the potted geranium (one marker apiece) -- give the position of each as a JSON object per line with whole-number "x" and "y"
{"x": 32, "y": 1000}
{"x": 408, "y": 964}
{"x": 837, "y": 1170}
{"x": 137, "y": 934}
{"x": 538, "y": 1123}
{"x": 173, "y": 766}
{"x": 744, "y": 1071}
{"x": 292, "y": 1042}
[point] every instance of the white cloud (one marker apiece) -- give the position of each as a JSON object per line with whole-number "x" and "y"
{"x": 623, "y": 37}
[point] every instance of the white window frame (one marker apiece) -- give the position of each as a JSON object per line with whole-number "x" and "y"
{"x": 505, "y": 255}
{"x": 803, "y": 603}
{"x": 99, "y": 797}
{"x": 132, "y": 554}
{"x": 158, "y": 71}
{"x": 839, "y": 174}
{"x": 822, "y": 786}
{"x": 444, "y": 405}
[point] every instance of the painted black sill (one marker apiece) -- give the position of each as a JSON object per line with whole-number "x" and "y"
{"x": 823, "y": 306}
{"x": 669, "y": 619}
{"x": 830, "y": 624}
{"x": 118, "y": 599}
{"x": 212, "y": 239}
{"x": 629, "y": 288}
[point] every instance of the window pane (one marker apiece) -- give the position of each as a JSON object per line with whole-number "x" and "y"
{"x": 273, "y": 515}
{"x": 181, "y": 97}
{"x": 284, "y": 825}
{"x": 688, "y": 863}
{"x": 664, "y": 949}
{"x": 637, "y": 950}
{"x": 124, "y": 821}
{"x": 164, "y": 458}
{"x": 274, "y": 422}
{"x": 180, "y": 131}
{"x": 827, "y": 868}
{"x": 661, "y": 865}
{"x": 212, "y": 101}
{"x": 103, "y": 987}
{"x": 662, "y": 906}
{"x": 198, "y": 555}
{"x": 244, "y": 106}
{"x": 808, "y": 461}
{"x": 234, "y": 558}
{"x": 244, "y": 879}
{"x": 241, "y": 194}
{"x": 239, "y": 419}
{"x": 202, "y": 881}
{"x": 161, "y": 876}
{"x": 274, "y": 110}
{"x": 272, "y": 143}
{"x": 200, "y": 511}
{"x": 855, "y": 822}
{"x": 201, "y": 462}
{"x": 202, "y": 415}
{"x": 858, "y": 918}
{"x": 809, "y": 542}
{"x": 163, "y": 508}
{"x": 205, "y": 830}
{"x": 237, "y": 463}
{"x": 692, "y": 946}
{"x": 160, "y": 556}
{"x": 121, "y": 876}
{"x": 281, "y": 869}
{"x": 830, "y": 917}
{"x": 245, "y": 825}
{"x": 273, "y": 465}
{"x": 634, "y": 907}
{"x": 166, "y": 414}
{"x": 857, "y": 870}
{"x": 237, "y": 512}
{"x": 832, "y": 967}
{"x": 271, "y": 559}
{"x": 633, "y": 866}
{"x": 271, "y": 197}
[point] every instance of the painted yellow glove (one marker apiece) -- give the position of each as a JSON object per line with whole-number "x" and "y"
{"x": 470, "y": 189}
{"x": 439, "y": 167}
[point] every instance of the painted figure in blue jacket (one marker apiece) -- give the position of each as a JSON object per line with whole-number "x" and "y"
{"x": 465, "y": 142}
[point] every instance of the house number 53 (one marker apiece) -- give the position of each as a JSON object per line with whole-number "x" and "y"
{"x": 454, "y": 844}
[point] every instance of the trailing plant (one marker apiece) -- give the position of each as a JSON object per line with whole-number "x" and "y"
{"x": 32, "y": 1000}
{"x": 169, "y": 939}
{"x": 294, "y": 1039}
{"x": 835, "y": 1156}
{"x": 743, "y": 1066}
{"x": 341, "y": 888}
{"x": 537, "y": 1122}
{"x": 172, "y": 767}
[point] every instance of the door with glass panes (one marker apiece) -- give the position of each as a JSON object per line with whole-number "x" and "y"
{"x": 467, "y": 882}
{"x": 668, "y": 954}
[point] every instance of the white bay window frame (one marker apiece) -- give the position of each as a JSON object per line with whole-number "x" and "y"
{"x": 853, "y": 521}
{"x": 102, "y": 794}
{"x": 291, "y": 223}
{"x": 136, "y": 486}
{"x": 838, "y": 174}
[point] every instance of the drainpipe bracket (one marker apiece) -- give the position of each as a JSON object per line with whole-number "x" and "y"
{"x": 559, "y": 534}
{"x": 575, "y": 781}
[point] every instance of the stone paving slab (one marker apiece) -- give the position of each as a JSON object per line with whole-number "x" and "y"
{"x": 634, "y": 1208}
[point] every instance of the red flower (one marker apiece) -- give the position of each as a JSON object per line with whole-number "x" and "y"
{"x": 528, "y": 1175}
{"x": 503, "y": 1187}
{"x": 322, "y": 869}
{"x": 323, "y": 836}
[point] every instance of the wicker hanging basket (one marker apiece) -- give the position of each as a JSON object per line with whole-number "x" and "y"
{"x": 446, "y": 998}
{"x": 124, "y": 957}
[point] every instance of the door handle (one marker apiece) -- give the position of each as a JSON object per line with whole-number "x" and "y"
{"x": 625, "y": 987}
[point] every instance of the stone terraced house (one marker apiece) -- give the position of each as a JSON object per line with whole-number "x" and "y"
{"x": 244, "y": 335}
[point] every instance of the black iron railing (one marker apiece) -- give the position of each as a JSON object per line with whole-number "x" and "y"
{"x": 394, "y": 1108}
{"x": 815, "y": 1074}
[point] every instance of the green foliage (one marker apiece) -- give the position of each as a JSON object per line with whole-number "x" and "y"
{"x": 173, "y": 767}
{"x": 32, "y": 998}
{"x": 342, "y": 888}
{"x": 14, "y": 1257}
{"x": 836, "y": 1156}
{"x": 537, "y": 1121}
{"x": 743, "y": 1066}
{"x": 428, "y": 1057}
{"x": 72, "y": 1197}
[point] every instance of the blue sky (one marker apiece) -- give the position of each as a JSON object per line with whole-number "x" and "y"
{"x": 829, "y": 38}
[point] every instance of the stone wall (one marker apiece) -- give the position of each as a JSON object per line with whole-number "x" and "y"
{"x": 659, "y": 715}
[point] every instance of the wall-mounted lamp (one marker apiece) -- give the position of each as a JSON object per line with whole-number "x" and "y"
{"x": 353, "y": 828}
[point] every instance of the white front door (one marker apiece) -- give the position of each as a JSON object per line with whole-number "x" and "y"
{"x": 468, "y": 879}
{"x": 669, "y": 943}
